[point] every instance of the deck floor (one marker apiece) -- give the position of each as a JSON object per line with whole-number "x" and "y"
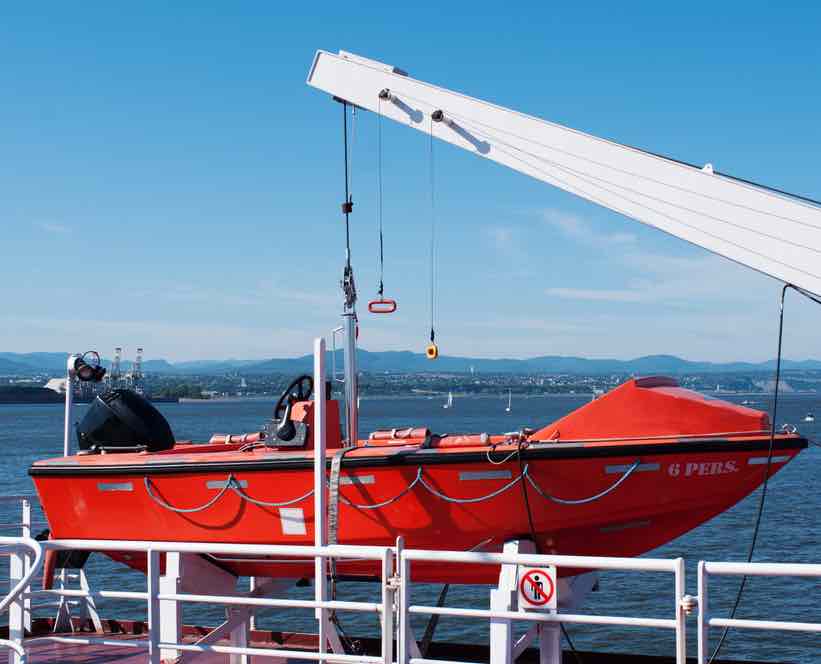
{"x": 46, "y": 652}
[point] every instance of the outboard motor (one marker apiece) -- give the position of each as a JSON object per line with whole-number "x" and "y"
{"x": 123, "y": 421}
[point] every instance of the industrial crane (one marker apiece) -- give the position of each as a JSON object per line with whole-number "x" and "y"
{"x": 776, "y": 233}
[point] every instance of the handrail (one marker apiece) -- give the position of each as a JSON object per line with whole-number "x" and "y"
{"x": 394, "y": 579}
{"x": 17, "y": 544}
{"x": 16, "y": 647}
{"x": 707, "y": 568}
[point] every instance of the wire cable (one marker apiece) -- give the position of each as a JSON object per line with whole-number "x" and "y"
{"x": 432, "y": 235}
{"x": 768, "y": 467}
{"x": 588, "y": 179}
{"x": 381, "y": 290}
{"x": 346, "y": 207}
{"x": 804, "y": 201}
{"x": 522, "y": 471}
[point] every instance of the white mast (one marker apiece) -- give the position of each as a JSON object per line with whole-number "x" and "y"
{"x": 768, "y": 231}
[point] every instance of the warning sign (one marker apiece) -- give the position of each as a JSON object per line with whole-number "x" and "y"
{"x": 537, "y": 588}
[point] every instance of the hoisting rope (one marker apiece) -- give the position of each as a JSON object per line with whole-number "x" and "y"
{"x": 432, "y": 176}
{"x": 348, "y": 286}
{"x": 767, "y": 468}
{"x": 347, "y": 206}
{"x": 381, "y": 289}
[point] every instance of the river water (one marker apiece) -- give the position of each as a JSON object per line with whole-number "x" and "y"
{"x": 790, "y": 529}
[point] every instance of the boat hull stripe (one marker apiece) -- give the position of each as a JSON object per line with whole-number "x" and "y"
{"x": 468, "y": 475}
{"x": 115, "y": 486}
{"x": 761, "y": 461}
{"x": 431, "y": 458}
{"x": 641, "y": 468}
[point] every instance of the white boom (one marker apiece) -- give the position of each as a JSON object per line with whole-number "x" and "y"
{"x": 773, "y": 233}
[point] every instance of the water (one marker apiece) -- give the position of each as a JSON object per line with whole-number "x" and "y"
{"x": 790, "y": 528}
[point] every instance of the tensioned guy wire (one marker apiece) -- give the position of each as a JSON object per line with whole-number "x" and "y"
{"x": 741, "y": 182}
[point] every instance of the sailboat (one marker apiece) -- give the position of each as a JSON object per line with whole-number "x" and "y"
{"x": 509, "y": 401}
{"x": 449, "y": 402}
{"x": 643, "y": 464}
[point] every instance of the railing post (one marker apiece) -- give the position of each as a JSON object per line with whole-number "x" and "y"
{"x": 320, "y": 492}
{"x": 388, "y": 595}
{"x": 153, "y": 589}
{"x": 404, "y": 601}
{"x": 26, "y": 532}
{"x": 169, "y": 611}
{"x": 703, "y": 618}
{"x": 16, "y": 611}
{"x": 681, "y": 615}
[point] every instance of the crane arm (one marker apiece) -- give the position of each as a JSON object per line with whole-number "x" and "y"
{"x": 768, "y": 231}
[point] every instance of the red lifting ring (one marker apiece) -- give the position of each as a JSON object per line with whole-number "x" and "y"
{"x": 382, "y": 306}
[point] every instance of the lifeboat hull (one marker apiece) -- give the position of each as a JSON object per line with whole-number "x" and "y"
{"x": 614, "y": 499}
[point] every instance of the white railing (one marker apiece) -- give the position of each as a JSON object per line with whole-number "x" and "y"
{"x": 707, "y": 569}
{"x": 154, "y": 596}
{"x": 674, "y": 567}
{"x": 394, "y": 609}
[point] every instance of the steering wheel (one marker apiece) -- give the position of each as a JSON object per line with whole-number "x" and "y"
{"x": 304, "y": 386}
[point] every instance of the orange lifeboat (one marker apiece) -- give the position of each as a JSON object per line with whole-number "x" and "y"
{"x": 620, "y": 476}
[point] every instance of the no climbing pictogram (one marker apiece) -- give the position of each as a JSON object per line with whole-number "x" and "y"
{"x": 537, "y": 588}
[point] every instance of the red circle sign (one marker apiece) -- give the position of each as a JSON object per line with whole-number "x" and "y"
{"x": 537, "y": 587}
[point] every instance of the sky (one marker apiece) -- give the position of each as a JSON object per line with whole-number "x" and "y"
{"x": 168, "y": 180}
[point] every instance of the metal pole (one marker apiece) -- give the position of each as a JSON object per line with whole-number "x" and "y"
{"x": 402, "y": 647}
{"x": 703, "y": 617}
{"x": 69, "y": 403}
{"x": 388, "y": 601}
{"x": 26, "y": 532}
{"x": 154, "y": 618}
{"x": 681, "y": 616}
{"x": 351, "y": 386}
{"x": 320, "y": 491}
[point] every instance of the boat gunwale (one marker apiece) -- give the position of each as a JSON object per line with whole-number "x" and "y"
{"x": 426, "y": 457}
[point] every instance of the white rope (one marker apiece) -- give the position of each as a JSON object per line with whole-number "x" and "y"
{"x": 262, "y": 503}
{"x": 187, "y": 510}
{"x": 385, "y": 503}
{"x": 489, "y": 496}
{"x": 233, "y": 485}
{"x": 582, "y": 501}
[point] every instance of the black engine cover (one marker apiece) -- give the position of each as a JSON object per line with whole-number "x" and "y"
{"x": 122, "y": 420}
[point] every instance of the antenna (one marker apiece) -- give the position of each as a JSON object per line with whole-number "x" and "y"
{"x": 138, "y": 365}
{"x": 116, "y": 372}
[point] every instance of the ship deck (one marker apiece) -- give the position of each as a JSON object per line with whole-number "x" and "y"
{"x": 46, "y": 652}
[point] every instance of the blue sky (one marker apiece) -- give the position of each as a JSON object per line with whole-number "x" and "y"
{"x": 168, "y": 180}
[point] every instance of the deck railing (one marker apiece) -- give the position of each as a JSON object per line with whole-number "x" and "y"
{"x": 705, "y": 621}
{"x": 394, "y": 609}
{"x": 407, "y": 609}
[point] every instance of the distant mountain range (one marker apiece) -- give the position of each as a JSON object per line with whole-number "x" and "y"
{"x": 408, "y": 362}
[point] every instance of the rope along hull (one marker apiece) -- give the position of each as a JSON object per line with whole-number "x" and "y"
{"x": 615, "y": 499}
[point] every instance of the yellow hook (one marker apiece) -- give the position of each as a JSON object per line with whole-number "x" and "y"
{"x": 432, "y": 351}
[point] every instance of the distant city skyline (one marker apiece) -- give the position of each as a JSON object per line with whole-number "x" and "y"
{"x": 169, "y": 180}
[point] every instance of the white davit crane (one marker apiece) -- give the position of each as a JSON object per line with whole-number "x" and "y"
{"x": 769, "y": 231}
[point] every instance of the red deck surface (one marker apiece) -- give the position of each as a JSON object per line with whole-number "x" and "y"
{"x": 44, "y": 652}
